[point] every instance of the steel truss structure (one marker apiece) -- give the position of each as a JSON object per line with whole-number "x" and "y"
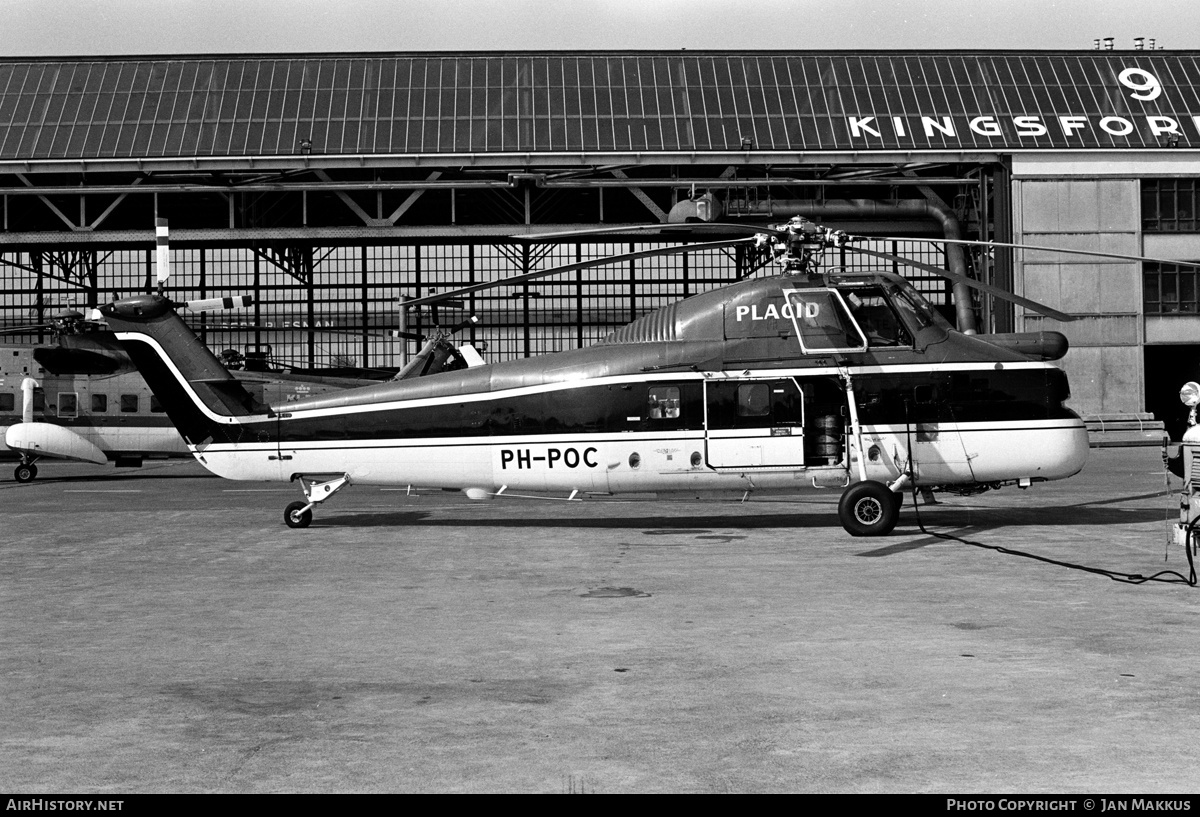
{"x": 330, "y": 186}
{"x": 333, "y": 306}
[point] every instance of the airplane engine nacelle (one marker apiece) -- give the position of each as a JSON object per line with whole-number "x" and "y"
{"x": 49, "y": 440}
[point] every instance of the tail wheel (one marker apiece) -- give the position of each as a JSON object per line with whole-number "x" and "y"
{"x": 25, "y": 473}
{"x": 296, "y": 515}
{"x": 868, "y": 509}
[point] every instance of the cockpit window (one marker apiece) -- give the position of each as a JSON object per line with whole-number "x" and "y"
{"x": 823, "y": 322}
{"x": 913, "y": 307}
{"x": 871, "y": 309}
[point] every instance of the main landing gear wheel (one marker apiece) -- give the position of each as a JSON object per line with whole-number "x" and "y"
{"x": 297, "y": 515}
{"x": 869, "y": 509}
{"x": 25, "y": 473}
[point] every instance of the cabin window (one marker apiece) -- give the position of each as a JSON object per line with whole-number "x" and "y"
{"x": 68, "y": 404}
{"x": 754, "y": 400}
{"x": 663, "y": 403}
{"x": 99, "y": 403}
{"x": 155, "y": 406}
{"x": 8, "y": 401}
{"x": 129, "y": 403}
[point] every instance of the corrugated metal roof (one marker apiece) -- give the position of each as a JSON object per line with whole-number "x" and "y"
{"x": 490, "y": 103}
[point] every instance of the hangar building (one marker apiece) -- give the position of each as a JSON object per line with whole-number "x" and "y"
{"x": 330, "y": 185}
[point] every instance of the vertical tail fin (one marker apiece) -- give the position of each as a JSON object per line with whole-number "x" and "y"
{"x": 203, "y": 400}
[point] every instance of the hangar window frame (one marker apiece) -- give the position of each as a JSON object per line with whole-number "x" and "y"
{"x": 1170, "y": 289}
{"x": 1171, "y": 205}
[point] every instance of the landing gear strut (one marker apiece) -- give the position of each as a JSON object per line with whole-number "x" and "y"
{"x": 299, "y": 514}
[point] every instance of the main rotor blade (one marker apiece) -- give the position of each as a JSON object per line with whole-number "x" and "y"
{"x": 578, "y": 265}
{"x": 24, "y": 330}
{"x": 220, "y": 326}
{"x": 1095, "y": 253}
{"x": 693, "y": 226}
{"x": 971, "y": 282}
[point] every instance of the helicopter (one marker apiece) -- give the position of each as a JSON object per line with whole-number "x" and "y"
{"x": 802, "y": 379}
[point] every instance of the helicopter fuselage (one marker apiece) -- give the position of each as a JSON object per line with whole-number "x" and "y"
{"x": 771, "y": 384}
{"x": 746, "y": 430}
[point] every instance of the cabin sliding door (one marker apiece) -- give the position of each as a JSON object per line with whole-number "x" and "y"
{"x": 754, "y": 423}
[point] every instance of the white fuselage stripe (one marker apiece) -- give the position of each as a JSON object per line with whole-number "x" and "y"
{"x": 613, "y": 436}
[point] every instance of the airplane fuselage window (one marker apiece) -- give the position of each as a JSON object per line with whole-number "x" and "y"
{"x": 8, "y": 401}
{"x": 129, "y": 403}
{"x": 99, "y": 403}
{"x": 68, "y": 404}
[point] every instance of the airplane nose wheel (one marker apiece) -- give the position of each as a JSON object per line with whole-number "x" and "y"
{"x": 297, "y": 515}
{"x": 869, "y": 509}
{"x": 26, "y": 472}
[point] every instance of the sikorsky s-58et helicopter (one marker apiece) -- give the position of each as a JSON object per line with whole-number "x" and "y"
{"x": 798, "y": 380}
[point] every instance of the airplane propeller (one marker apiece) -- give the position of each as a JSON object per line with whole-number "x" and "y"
{"x": 213, "y": 304}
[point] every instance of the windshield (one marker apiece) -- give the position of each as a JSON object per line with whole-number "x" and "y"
{"x": 871, "y": 308}
{"x": 914, "y": 309}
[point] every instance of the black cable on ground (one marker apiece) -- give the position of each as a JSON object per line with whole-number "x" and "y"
{"x": 1164, "y": 576}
